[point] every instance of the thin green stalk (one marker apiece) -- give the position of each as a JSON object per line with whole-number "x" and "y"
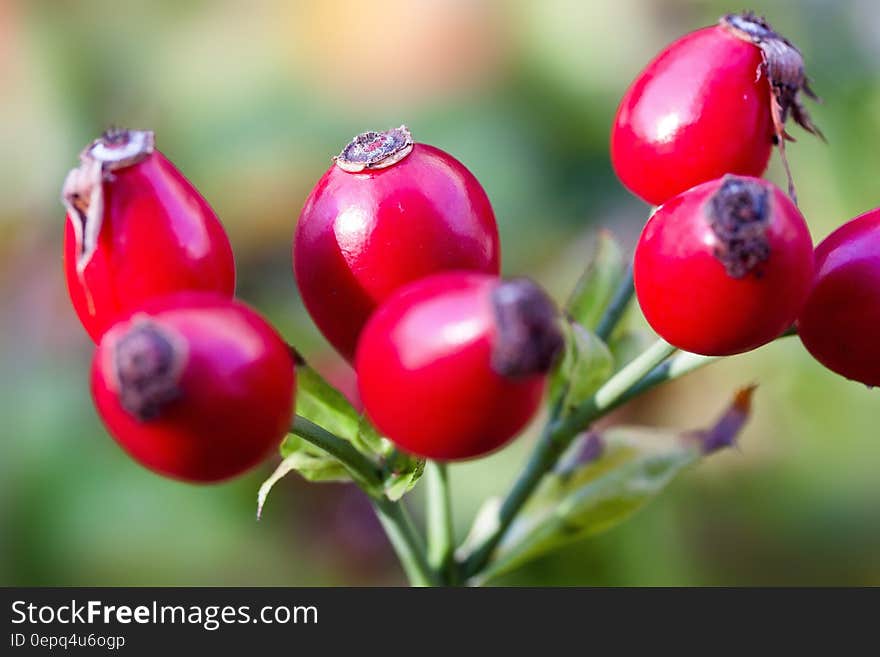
{"x": 360, "y": 467}
{"x": 617, "y": 306}
{"x": 406, "y": 542}
{"x": 441, "y": 534}
{"x": 400, "y": 530}
{"x": 556, "y": 438}
{"x": 609, "y": 395}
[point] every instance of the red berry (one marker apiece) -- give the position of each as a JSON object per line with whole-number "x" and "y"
{"x": 724, "y": 267}
{"x": 703, "y": 108}
{"x": 195, "y": 386}
{"x": 839, "y": 322}
{"x": 136, "y": 228}
{"x": 453, "y": 366}
{"x": 388, "y": 212}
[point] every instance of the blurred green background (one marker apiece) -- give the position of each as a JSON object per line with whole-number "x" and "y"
{"x": 250, "y": 100}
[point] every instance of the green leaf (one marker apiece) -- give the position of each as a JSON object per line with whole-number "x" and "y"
{"x": 318, "y": 401}
{"x": 597, "y": 284}
{"x": 367, "y": 439}
{"x": 604, "y": 479}
{"x": 585, "y": 365}
{"x": 593, "y": 497}
{"x": 324, "y": 405}
{"x": 400, "y": 483}
{"x": 401, "y": 472}
{"x": 313, "y": 463}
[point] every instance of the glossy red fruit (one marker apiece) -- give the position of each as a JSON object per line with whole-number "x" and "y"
{"x": 839, "y": 322}
{"x": 136, "y": 228}
{"x": 453, "y": 366}
{"x": 703, "y": 108}
{"x": 194, "y": 386}
{"x": 387, "y": 213}
{"x": 724, "y": 267}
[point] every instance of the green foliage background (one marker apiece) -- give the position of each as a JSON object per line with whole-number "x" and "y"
{"x": 251, "y": 99}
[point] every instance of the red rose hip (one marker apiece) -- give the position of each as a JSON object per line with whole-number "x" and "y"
{"x": 711, "y": 103}
{"x": 453, "y": 366}
{"x": 724, "y": 267}
{"x": 136, "y": 228}
{"x": 386, "y": 213}
{"x": 194, "y": 386}
{"x": 838, "y": 325}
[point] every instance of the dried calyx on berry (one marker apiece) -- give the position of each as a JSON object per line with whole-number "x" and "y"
{"x": 82, "y": 193}
{"x": 375, "y": 150}
{"x": 784, "y": 68}
{"x": 738, "y": 214}
{"x": 529, "y": 337}
{"x": 148, "y": 362}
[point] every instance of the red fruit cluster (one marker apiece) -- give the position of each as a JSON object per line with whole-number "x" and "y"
{"x": 386, "y": 213}
{"x": 726, "y": 264}
{"x": 712, "y": 103}
{"x": 396, "y": 256}
{"x": 190, "y": 382}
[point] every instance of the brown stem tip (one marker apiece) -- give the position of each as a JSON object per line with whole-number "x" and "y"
{"x": 529, "y": 337}
{"x": 738, "y": 214}
{"x": 148, "y": 362}
{"x": 375, "y": 150}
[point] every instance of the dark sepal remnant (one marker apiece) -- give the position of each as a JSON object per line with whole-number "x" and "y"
{"x": 528, "y": 336}
{"x": 783, "y": 65}
{"x": 738, "y": 214}
{"x": 147, "y": 365}
{"x": 375, "y": 150}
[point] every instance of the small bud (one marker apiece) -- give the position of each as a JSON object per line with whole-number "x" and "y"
{"x": 727, "y": 428}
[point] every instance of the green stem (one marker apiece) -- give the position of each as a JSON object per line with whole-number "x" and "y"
{"x": 400, "y": 530}
{"x": 617, "y": 306}
{"x": 609, "y": 395}
{"x": 360, "y": 467}
{"x": 406, "y": 542}
{"x": 557, "y": 436}
{"x": 441, "y": 534}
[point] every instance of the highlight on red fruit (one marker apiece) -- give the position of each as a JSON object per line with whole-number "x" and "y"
{"x": 194, "y": 386}
{"x": 724, "y": 267}
{"x": 838, "y": 325}
{"x": 713, "y": 102}
{"x": 454, "y": 366}
{"x": 136, "y": 229}
{"x": 387, "y": 212}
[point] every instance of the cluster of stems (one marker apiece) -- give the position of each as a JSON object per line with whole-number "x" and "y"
{"x": 433, "y": 562}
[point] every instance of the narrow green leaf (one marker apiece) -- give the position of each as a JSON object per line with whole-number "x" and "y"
{"x": 584, "y": 366}
{"x": 367, "y": 439}
{"x": 604, "y": 479}
{"x": 597, "y": 284}
{"x": 591, "y": 499}
{"x": 399, "y": 483}
{"x": 401, "y": 471}
{"x": 313, "y": 463}
{"x": 318, "y": 401}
